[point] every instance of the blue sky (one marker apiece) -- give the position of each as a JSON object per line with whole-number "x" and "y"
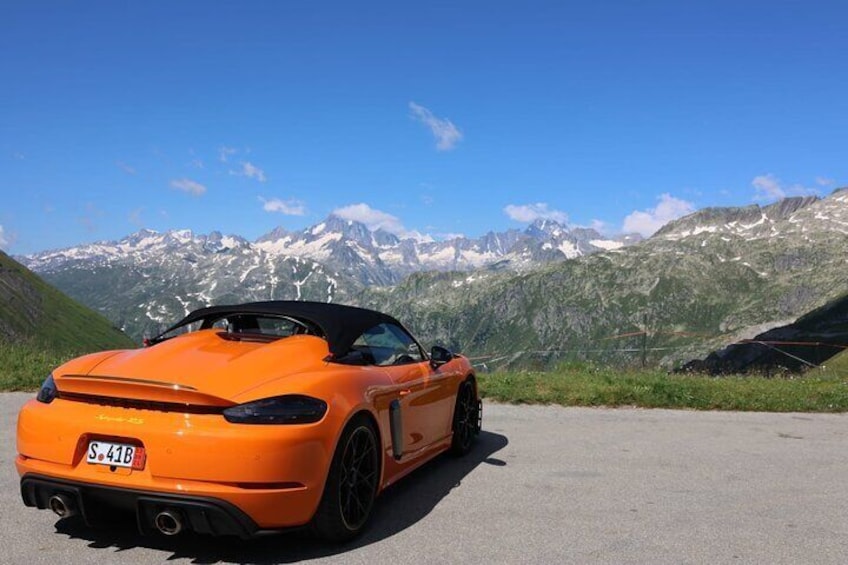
{"x": 439, "y": 118}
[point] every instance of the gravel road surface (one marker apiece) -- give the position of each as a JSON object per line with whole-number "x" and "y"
{"x": 543, "y": 485}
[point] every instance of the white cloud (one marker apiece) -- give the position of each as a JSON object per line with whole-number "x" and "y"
{"x": 250, "y": 171}
{"x": 599, "y": 226}
{"x": 126, "y": 168}
{"x": 189, "y": 186}
{"x": 646, "y": 222}
{"x": 4, "y": 239}
{"x": 291, "y": 207}
{"x": 374, "y": 219}
{"x": 824, "y": 181}
{"x": 90, "y": 219}
{"x": 531, "y": 212}
{"x": 769, "y": 187}
{"x": 378, "y": 220}
{"x": 134, "y": 217}
{"x": 447, "y": 135}
{"x": 449, "y": 236}
{"x": 224, "y": 153}
{"x": 418, "y": 236}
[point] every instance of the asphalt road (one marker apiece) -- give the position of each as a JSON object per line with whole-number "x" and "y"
{"x": 543, "y": 485}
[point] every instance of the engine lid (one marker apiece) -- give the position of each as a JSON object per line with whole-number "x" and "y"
{"x": 201, "y": 367}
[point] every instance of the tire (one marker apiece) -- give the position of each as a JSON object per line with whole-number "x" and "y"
{"x": 465, "y": 415}
{"x": 351, "y": 485}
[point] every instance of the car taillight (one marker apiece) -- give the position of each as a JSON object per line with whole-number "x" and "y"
{"x": 287, "y": 409}
{"x": 48, "y": 391}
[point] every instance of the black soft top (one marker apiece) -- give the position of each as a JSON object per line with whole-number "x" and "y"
{"x": 340, "y": 324}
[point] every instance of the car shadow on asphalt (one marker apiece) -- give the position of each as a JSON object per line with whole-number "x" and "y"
{"x": 398, "y": 507}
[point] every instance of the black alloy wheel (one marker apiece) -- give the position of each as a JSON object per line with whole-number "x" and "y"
{"x": 351, "y": 485}
{"x": 358, "y": 481}
{"x": 464, "y": 419}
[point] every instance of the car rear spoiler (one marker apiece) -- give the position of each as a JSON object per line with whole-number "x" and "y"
{"x": 137, "y": 389}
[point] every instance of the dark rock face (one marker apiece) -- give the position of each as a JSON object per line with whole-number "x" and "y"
{"x": 783, "y": 209}
{"x": 810, "y": 341}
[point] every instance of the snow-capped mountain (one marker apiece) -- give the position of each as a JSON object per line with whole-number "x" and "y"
{"x": 789, "y": 217}
{"x": 379, "y": 257}
{"x": 714, "y": 277}
{"x": 144, "y": 246}
{"x": 148, "y": 279}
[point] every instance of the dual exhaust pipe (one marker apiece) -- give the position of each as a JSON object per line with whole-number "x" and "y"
{"x": 168, "y": 522}
{"x": 61, "y": 505}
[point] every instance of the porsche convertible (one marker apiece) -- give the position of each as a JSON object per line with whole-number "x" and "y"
{"x": 246, "y": 419}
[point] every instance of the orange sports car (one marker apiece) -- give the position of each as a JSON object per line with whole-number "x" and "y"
{"x": 244, "y": 419}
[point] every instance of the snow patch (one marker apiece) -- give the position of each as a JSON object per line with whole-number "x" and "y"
{"x": 569, "y": 250}
{"x": 609, "y": 245}
{"x": 247, "y": 272}
{"x": 184, "y": 303}
{"x": 704, "y": 229}
{"x": 759, "y": 222}
{"x": 183, "y": 236}
{"x": 229, "y": 242}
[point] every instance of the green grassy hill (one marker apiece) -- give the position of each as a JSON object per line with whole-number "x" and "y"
{"x": 836, "y": 366}
{"x": 40, "y": 327}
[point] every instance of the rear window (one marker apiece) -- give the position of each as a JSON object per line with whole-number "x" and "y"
{"x": 272, "y": 326}
{"x": 247, "y": 325}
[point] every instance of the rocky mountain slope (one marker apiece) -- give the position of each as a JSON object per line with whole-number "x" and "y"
{"x": 706, "y": 280}
{"x": 807, "y": 343}
{"x": 148, "y": 279}
{"x": 381, "y": 258}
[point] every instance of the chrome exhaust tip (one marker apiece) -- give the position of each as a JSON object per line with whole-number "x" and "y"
{"x": 61, "y": 506}
{"x": 169, "y": 522}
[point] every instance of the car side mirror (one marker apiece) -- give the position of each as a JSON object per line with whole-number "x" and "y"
{"x": 439, "y": 356}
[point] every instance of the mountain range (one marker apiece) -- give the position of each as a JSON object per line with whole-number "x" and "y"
{"x": 545, "y": 294}
{"x": 703, "y": 281}
{"x": 148, "y": 279}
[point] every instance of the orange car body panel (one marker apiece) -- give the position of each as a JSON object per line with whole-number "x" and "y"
{"x": 274, "y": 473}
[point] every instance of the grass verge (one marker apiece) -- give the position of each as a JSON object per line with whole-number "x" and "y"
{"x": 24, "y": 366}
{"x": 599, "y": 386}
